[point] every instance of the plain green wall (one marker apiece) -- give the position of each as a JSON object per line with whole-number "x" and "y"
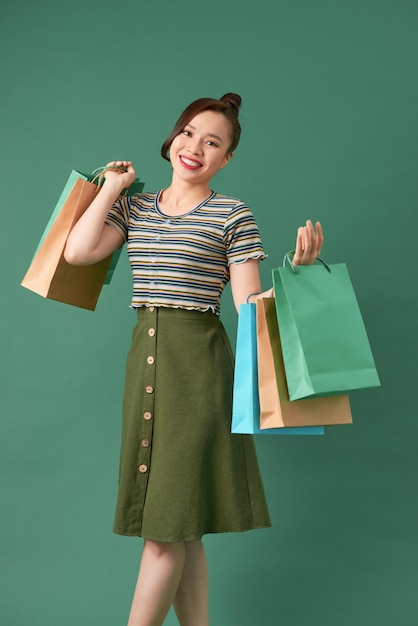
{"x": 329, "y": 92}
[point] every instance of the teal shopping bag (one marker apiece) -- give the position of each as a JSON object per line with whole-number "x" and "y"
{"x": 49, "y": 275}
{"x": 325, "y": 346}
{"x": 246, "y": 404}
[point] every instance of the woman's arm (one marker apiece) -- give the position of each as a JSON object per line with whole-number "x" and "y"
{"x": 245, "y": 281}
{"x": 245, "y": 277}
{"x": 91, "y": 239}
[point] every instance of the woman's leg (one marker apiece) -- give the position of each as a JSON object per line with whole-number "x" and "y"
{"x": 191, "y": 599}
{"x": 159, "y": 575}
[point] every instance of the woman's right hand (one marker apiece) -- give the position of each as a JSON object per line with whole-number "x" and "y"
{"x": 91, "y": 239}
{"x": 117, "y": 177}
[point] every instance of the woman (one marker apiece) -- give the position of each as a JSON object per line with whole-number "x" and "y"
{"x": 182, "y": 474}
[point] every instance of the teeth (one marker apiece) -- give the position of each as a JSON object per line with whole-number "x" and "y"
{"x": 191, "y": 163}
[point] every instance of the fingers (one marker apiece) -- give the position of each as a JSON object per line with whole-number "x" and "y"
{"x": 309, "y": 242}
{"x": 298, "y": 247}
{"x": 119, "y": 174}
{"x": 320, "y": 237}
{"x": 120, "y": 168}
{"x": 123, "y": 164}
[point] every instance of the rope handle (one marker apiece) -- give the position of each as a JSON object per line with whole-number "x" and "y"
{"x": 99, "y": 175}
{"x": 256, "y": 293}
{"x": 287, "y": 259}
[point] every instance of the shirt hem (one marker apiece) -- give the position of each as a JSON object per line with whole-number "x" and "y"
{"x": 135, "y": 306}
{"x": 257, "y": 257}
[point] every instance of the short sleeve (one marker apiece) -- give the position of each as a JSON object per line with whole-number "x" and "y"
{"x": 118, "y": 216}
{"x": 242, "y": 237}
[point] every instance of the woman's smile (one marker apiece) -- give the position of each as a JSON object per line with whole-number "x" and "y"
{"x": 200, "y": 150}
{"x": 190, "y": 164}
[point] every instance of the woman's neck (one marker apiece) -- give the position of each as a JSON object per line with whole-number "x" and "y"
{"x": 180, "y": 197}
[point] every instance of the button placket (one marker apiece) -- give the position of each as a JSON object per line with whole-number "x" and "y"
{"x": 147, "y": 416}
{"x": 153, "y": 271}
{"x": 153, "y": 267}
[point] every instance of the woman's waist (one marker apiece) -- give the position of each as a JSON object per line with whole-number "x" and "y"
{"x": 175, "y": 311}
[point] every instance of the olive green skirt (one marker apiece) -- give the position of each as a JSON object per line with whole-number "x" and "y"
{"x": 182, "y": 472}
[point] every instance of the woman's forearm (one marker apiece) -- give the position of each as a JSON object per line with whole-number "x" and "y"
{"x": 90, "y": 239}
{"x": 263, "y": 294}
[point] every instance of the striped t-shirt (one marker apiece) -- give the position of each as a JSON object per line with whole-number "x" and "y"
{"x": 183, "y": 261}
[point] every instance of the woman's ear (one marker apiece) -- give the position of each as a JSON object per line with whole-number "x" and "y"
{"x": 226, "y": 160}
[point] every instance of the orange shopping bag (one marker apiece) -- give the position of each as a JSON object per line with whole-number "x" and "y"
{"x": 49, "y": 274}
{"x": 276, "y": 410}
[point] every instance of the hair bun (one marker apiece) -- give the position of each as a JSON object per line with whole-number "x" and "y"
{"x": 233, "y": 100}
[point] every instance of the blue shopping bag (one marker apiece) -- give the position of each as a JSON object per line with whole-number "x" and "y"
{"x": 246, "y": 404}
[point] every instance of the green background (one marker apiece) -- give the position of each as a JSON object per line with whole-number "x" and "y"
{"x": 329, "y": 92}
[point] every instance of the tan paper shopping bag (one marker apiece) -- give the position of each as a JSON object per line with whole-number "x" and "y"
{"x": 276, "y": 410}
{"x": 49, "y": 274}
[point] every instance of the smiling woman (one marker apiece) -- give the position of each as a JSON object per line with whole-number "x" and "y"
{"x": 228, "y": 105}
{"x": 196, "y": 154}
{"x": 182, "y": 473}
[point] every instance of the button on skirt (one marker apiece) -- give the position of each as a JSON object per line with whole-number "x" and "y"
{"x": 182, "y": 473}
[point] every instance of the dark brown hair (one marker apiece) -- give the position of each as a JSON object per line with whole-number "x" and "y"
{"x": 228, "y": 105}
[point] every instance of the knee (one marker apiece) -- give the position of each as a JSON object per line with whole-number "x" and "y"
{"x": 162, "y": 549}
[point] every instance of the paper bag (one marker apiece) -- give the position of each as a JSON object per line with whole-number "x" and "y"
{"x": 276, "y": 410}
{"x": 49, "y": 274}
{"x": 246, "y": 406}
{"x": 325, "y": 346}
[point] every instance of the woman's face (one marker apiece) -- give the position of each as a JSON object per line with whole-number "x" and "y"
{"x": 198, "y": 152}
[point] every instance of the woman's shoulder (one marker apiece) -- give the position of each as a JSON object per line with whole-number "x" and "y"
{"x": 228, "y": 205}
{"x": 147, "y": 197}
{"x": 233, "y": 207}
{"x": 224, "y": 199}
{"x": 140, "y": 202}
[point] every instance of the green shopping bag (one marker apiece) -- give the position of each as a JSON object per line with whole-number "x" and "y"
{"x": 325, "y": 346}
{"x": 49, "y": 274}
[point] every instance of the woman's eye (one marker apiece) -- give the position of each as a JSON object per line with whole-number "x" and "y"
{"x": 212, "y": 143}
{"x": 187, "y": 133}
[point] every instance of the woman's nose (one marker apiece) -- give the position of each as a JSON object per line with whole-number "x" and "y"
{"x": 195, "y": 146}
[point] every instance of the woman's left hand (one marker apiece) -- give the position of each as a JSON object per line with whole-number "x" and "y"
{"x": 309, "y": 242}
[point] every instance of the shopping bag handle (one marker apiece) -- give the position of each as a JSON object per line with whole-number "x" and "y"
{"x": 287, "y": 259}
{"x": 99, "y": 176}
